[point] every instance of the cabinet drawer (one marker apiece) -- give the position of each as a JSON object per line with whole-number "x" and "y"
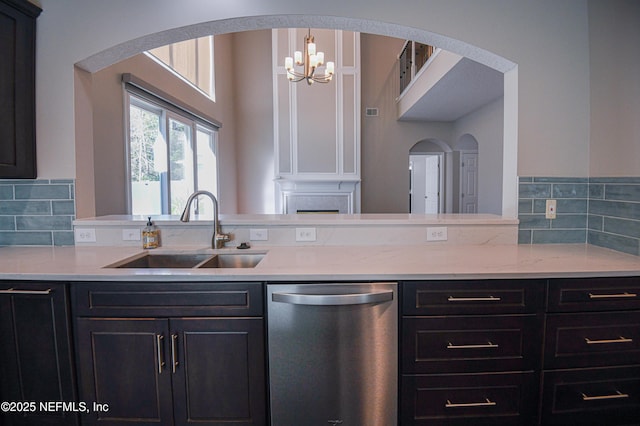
{"x": 487, "y": 399}
{"x": 164, "y": 300}
{"x": 471, "y": 343}
{"x": 601, "y": 396}
{"x": 594, "y": 294}
{"x": 472, "y": 297}
{"x": 590, "y": 340}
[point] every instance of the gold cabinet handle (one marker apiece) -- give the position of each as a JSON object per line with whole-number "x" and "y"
{"x": 612, "y": 296}
{"x": 474, "y": 299}
{"x": 479, "y": 346}
{"x": 617, "y": 395}
{"x": 159, "y": 344}
{"x": 34, "y": 292}
{"x": 606, "y": 341}
{"x": 486, "y": 403}
{"x": 174, "y": 352}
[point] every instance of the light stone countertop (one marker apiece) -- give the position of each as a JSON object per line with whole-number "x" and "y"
{"x": 329, "y": 263}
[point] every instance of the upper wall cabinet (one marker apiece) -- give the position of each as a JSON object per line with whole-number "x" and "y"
{"x": 17, "y": 89}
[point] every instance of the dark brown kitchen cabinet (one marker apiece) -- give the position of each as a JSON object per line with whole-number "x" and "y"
{"x": 471, "y": 352}
{"x": 591, "y": 370}
{"x": 35, "y": 353}
{"x": 17, "y": 88}
{"x": 172, "y": 369}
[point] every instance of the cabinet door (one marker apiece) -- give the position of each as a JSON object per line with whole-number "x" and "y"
{"x": 123, "y": 364}
{"x": 219, "y": 371}
{"x": 17, "y": 89}
{"x": 35, "y": 354}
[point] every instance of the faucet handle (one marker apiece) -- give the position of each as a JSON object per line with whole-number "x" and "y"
{"x": 221, "y": 239}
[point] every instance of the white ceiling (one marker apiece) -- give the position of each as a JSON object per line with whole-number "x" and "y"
{"x": 468, "y": 86}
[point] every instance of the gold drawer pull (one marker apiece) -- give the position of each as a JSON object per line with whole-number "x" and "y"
{"x": 606, "y": 341}
{"x": 612, "y": 296}
{"x": 480, "y": 346}
{"x": 617, "y": 395}
{"x": 474, "y": 299}
{"x": 486, "y": 403}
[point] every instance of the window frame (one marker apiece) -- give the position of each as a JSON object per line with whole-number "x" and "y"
{"x": 143, "y": 99}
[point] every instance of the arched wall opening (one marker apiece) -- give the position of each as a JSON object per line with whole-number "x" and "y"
{"x": 83, "y": 113}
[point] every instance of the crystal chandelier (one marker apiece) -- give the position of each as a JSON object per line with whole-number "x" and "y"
{"x": 310, "y": 60}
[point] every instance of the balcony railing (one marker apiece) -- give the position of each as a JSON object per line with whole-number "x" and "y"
{"x": 411, "y": 60}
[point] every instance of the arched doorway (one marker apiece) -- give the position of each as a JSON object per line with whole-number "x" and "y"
{"x": 428, "y": 176}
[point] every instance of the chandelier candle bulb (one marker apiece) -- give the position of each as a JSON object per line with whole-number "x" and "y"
{"x": 298, "y": 57}
{"x": 330, "y": 67}
{"x": 311, "y": 48}
{"x": 288, "y": 63}
{"x": 320, "y": 58}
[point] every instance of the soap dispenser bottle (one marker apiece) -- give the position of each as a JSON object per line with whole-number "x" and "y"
{"x": 150, "y": 236}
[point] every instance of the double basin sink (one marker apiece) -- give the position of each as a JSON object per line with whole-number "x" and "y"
{"x": 190, "y": 260}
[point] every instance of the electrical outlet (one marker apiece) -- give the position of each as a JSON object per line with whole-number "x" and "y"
{"x": 131, "y": 234}
{"x": 438, "y": 233}
{"x": 258, "y": 234}
{"x": 305, "y": 234}
{"x": 550, "y": 211}
{"x": 85, "y": 235}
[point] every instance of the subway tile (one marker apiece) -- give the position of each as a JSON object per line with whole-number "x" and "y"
{"x": 622, "y": 192}
{"x": 595, "y": 222}
{"x": 559, "y": 236}
{"x": 25, "y": 207}
{"x": 24, "y": 181}
{"x": 596, "y": 191}
{"x": 6, "y": 192}
{"x": 50, "y": 223}
{"x": 525, "y": 206}
{"x": 614, "y": 242}
{"x": 63, "y": 208}
{"x": 569, "y": 221}
{"x": 627, "y": 179}
{"x": 614, "y": 209}
{"x": 534, "y": 190}
{"x": 42, "y": 192}
{"x": 562, "y": 179}
{"x": 563, "y": 206}
{"x": 63, "y": 238}
{"x": 629, "y": 228}
{"x": 533, "y": 222}
{"x": 524, "y": 236}
{"x": 25, "y": 238}
{"x": 7, "y": 223}
{"x": 570, "y": 190}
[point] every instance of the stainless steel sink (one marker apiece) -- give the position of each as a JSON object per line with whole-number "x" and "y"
{"x": 190, "y": 260}
{"x": 245, "y": 260}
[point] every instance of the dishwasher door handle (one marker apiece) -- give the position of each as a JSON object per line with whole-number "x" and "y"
{"x": 334, "y": 299}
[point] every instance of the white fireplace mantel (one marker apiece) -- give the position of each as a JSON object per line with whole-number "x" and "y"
{"x": 326, "y": 195}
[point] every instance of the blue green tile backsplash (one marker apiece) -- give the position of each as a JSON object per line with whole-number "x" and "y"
{"x": 601, "y": 211}
{"x": 37, "y": 212}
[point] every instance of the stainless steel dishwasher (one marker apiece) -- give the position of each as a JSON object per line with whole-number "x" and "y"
{"x": 333, "y": 354}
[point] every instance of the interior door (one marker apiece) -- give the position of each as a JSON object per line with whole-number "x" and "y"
{"x": 469, "y": 182}
{"x": 426, "y": 183}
